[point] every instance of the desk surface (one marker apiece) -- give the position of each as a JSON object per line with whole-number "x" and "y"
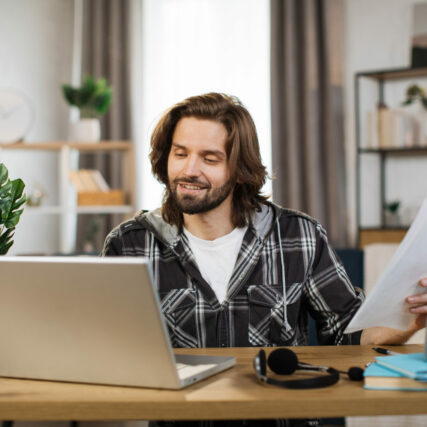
{"x": 229, "y": 395}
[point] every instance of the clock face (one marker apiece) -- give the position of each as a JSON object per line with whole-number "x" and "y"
{"x": 16, "y": 116}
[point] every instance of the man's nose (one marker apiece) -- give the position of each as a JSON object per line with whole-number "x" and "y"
{"x": 192, "y": 166}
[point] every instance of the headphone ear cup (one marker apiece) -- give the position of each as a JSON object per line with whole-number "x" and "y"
{"x": 262, "y": 362}
{"x": 282, "y": 361}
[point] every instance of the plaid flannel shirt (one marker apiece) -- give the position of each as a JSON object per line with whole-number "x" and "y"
{"x": 285, "y": 269}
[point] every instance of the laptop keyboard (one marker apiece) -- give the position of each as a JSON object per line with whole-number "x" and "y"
{"x": 185, "y": 371}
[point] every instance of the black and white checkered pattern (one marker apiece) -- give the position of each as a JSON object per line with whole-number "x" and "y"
{"x": 255, "y": 308}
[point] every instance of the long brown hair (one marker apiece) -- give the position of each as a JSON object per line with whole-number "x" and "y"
{"x": 247, "y": 173}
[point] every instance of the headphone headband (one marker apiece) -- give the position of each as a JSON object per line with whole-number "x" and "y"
{"x": 280, "y": 357}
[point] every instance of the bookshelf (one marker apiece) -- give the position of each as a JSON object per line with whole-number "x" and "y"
{"x": 68, "y": 198}
{"x": 383, "y": 153}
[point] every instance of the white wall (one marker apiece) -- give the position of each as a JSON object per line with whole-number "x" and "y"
{"x": 35, "y": 58}
{"x": 378, "y": 36}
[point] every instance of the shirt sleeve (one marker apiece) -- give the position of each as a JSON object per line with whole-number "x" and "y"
{"x": 333, "y": 300}
{"x": 112, "y": 245}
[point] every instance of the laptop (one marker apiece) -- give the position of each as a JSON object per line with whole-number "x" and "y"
{"x": 91, "y": 320}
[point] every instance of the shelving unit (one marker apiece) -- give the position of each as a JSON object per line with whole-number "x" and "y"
{"x": 382, "y": 233}
{"x": 67, "y": 206}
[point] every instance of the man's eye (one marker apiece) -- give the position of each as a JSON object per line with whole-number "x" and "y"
{"x": 179, "y": 154}
{"x": 211, "y": 161}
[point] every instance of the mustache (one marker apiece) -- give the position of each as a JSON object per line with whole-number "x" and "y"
{"x": 177, "y": 181}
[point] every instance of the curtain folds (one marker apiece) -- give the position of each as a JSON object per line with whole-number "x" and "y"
{"x": 307, "y": 111}
{"x": 106, "y": 53}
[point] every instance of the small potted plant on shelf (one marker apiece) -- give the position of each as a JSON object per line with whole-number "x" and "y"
{"x": 11, "y": 200}
{"x": 392, "y": 213}
{"x": 416, "y": 105}
{"x": 92, "y": 99}
{"x": 415, "y": 93}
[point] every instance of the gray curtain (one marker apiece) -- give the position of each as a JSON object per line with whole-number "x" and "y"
{"x": 307, "y": 111}
{"x": 105, "y": 51}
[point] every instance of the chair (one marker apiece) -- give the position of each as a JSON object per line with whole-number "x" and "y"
{"x": 353, "y": 261}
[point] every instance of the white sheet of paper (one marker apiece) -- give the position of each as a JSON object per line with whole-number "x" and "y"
{"x": 385, "y": 305}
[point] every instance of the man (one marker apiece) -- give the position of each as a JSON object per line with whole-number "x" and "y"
{"x": 233, "y": 269}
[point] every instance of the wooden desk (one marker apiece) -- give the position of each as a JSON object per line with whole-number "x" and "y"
{"x": 234, "y": 394}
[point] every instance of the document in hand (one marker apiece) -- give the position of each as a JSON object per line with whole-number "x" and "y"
{"x": 385, "y": 305}
{"x": 411, "y": 365}
{"x": 378, "y": 377}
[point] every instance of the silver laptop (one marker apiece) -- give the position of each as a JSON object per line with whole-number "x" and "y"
{"x": 92, "y": 320}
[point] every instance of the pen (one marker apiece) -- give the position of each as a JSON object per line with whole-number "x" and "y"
{"x": 385, "y": 351}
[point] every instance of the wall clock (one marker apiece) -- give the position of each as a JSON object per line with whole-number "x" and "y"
{"x": 16, "y": 116}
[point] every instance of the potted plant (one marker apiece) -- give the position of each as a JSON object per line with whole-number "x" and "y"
{"x": 11, "y": 200}
{"x": 392, "y": 213}
{"x": 416, "y": 105}
{"x": 415, "y": 93}
{"x": 92, "y": 99}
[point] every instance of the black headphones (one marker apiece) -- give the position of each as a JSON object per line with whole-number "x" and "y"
{"x": 284, "y": 361}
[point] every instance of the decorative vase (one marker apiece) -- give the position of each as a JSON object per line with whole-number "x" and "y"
{"x": 419, "y": 116}
{"x": 85, "y": 130}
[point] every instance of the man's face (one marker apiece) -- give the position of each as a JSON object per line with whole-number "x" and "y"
{"x": 197, "y": 165}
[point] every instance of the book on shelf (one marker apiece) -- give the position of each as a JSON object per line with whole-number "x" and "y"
{"x": 100, "y": 181}
{"x": 93, "y": 190}
{"x": 378, "y": 377}
{"x": 391, "y": 128}
{"x": 78, "y": 183}
{"x": 372, "y": 129}
{"x": 89, "y": 180}
{"x": 412, "y": 365}
{"x": 385, "y": 126}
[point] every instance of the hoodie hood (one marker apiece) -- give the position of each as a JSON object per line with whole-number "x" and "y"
{"x": 154, "y": 221}
{"x": 262, "y": 222}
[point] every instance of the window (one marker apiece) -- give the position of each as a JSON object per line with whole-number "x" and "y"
{"x": 192, "y": 47}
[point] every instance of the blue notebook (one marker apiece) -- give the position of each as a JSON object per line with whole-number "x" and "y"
{"x": 411, "y": 365}
{"x": 378, "y": 377}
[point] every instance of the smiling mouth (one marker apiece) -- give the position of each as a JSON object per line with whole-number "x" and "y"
{"x": 192, "y": 187}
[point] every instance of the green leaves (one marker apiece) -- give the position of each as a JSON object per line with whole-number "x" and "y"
{"x": 413, "y": 93}
{"x": 11, "y": 200}
{"x": 92, "y": 98}
{"x": 3, "y": 174}
{"x": 392, "y": 207}
{"x": 6, "y": 241}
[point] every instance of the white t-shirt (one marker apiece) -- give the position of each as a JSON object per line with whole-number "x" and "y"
{"x": 216, "y": 258}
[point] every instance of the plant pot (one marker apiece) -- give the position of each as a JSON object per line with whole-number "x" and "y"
{"x": 392, "y": 219}
{"x": 85, "y": 130}
{"x": 419, "y": 115}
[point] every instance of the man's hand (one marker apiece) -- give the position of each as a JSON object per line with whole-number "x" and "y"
{"x": 383, "y": 335}
{"x": 418, "y": 306}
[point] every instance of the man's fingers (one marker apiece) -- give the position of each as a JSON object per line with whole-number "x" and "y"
{"x": 418, "y": 303}
{"x": 417, "y": 299}
{"x": 419, "y": 309}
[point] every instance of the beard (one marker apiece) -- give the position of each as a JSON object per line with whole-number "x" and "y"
{"x": 190, "y": 204}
